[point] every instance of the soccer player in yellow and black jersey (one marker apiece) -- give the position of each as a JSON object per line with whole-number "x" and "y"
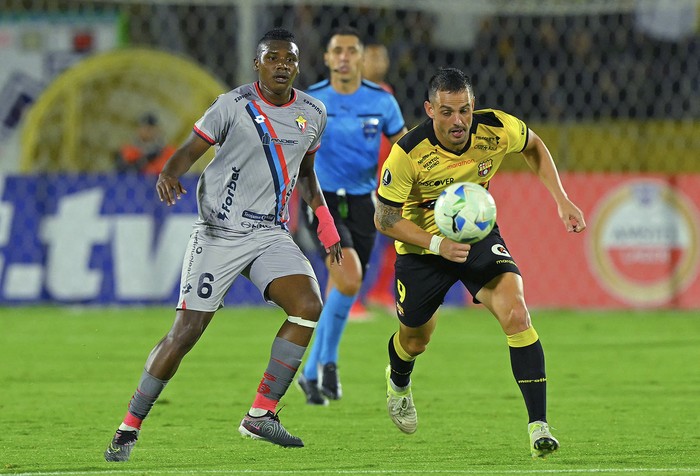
{"x": 458, "y": 144}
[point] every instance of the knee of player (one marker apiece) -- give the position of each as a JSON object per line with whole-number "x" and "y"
{"x": 308, "y": 307}
{"x": 349, "y": 287}
{"x": 416, "y": 345}
{"x": 518, "y": 318}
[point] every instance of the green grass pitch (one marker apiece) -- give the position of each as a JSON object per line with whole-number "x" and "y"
{"x": 624, "y": 396}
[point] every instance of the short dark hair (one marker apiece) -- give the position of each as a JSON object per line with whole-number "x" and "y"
{"x": 276, "y": 34}
{"x": 346, "y": 30}
{"x": 451, "y": 80}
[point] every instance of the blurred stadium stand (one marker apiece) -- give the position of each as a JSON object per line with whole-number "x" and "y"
{"x": 619, "y": 68}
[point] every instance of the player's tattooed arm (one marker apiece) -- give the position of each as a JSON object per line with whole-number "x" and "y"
{"x": 389, "y": 221}
{"x": 387, "y": 216}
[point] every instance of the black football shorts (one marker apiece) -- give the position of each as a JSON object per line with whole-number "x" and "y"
{"x": 422, "y": 281}
{"x": 354, "y": 219}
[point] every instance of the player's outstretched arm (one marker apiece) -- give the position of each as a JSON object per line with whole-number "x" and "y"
{"x": 310, "y": 191}
{"x": 541, "y": 162}
{"x": 168, "y": 186}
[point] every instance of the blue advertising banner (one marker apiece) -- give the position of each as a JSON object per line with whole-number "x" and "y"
{"x": 95, "y": 239}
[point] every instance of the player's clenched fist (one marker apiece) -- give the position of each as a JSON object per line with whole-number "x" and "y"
{"x": 454, "y": 251}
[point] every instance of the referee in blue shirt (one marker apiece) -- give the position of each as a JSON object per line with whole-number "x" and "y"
{"x": 359, "y": 112}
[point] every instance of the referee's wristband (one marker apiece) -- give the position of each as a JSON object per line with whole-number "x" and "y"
{"x": 435, "y": 244}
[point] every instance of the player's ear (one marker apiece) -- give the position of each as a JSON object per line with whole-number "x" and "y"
{"x": 256, "y": 64}
{"x": 429, "y": 109}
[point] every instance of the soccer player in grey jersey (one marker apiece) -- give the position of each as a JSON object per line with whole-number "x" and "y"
{"x": 266, "y": 135}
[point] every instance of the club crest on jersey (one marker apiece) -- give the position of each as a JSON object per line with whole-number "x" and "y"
{"x": 370, "y": 127}
{"x": 485, "y": 167}
{"x": 301, "y": 123}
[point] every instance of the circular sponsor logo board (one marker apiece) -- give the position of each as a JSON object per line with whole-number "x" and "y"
{"x": 643, "y": 246}
{"x": 85, "y": 114}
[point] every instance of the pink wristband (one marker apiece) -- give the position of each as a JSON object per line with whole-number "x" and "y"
{"x": 327, "y": 233}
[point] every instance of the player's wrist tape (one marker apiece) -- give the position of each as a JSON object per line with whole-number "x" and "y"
{"x": 323, "y": 214}
{"x": 326, "y": 231}
{"x": 435, "y": 244}
{"x": 301, "y": 321}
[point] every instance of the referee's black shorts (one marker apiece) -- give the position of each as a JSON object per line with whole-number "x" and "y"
{"x": 422, "y": 281}
{"x": 357, "y": 228}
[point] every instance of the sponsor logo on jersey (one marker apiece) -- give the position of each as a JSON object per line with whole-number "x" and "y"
{"x": 313, "y": 106}
{"x": 489, "y": 139}
{"x": 500, "y": 250}
{"x": 301, "y": 123}
{"x": 386, "y": 177}
{"x": 195, "y": 249}
{"x": 429, "y": 160}
{"x": 505, "y": 261}
{"x": 255, "y": 226}
{"x": 230, "y": 192}
{"x": 267, "y": 139}
{"x": 491, "y": 142}
{"x": 267, "y": 219}
{"x": 437, "y": 182}
{"x": 241, "y": 97}
{"x": 425, "y": 157}
{"x": 485, "y": 167}
{"x": 461, "y": 163}
{"x": 431, "y": 164}
{"x": 258, "y": 216}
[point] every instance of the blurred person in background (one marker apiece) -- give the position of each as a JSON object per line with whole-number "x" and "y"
{"x": 148, "y": 152}
{"x": 266, "y": 134}
{"x": 375, "y": 67}
{"x": 463, "y": 145}
{"x": 359, "y": 112}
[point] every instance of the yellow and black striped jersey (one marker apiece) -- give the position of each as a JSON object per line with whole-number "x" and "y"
{"x": 419, "y": 167}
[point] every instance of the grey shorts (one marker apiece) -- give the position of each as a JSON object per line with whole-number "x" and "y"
{"x": 212, "y": 262}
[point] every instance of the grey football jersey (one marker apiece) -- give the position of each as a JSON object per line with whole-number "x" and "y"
{"x": 259, "y": 148}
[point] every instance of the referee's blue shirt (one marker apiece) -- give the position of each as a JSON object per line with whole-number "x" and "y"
{"x": 349, "y": 150}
